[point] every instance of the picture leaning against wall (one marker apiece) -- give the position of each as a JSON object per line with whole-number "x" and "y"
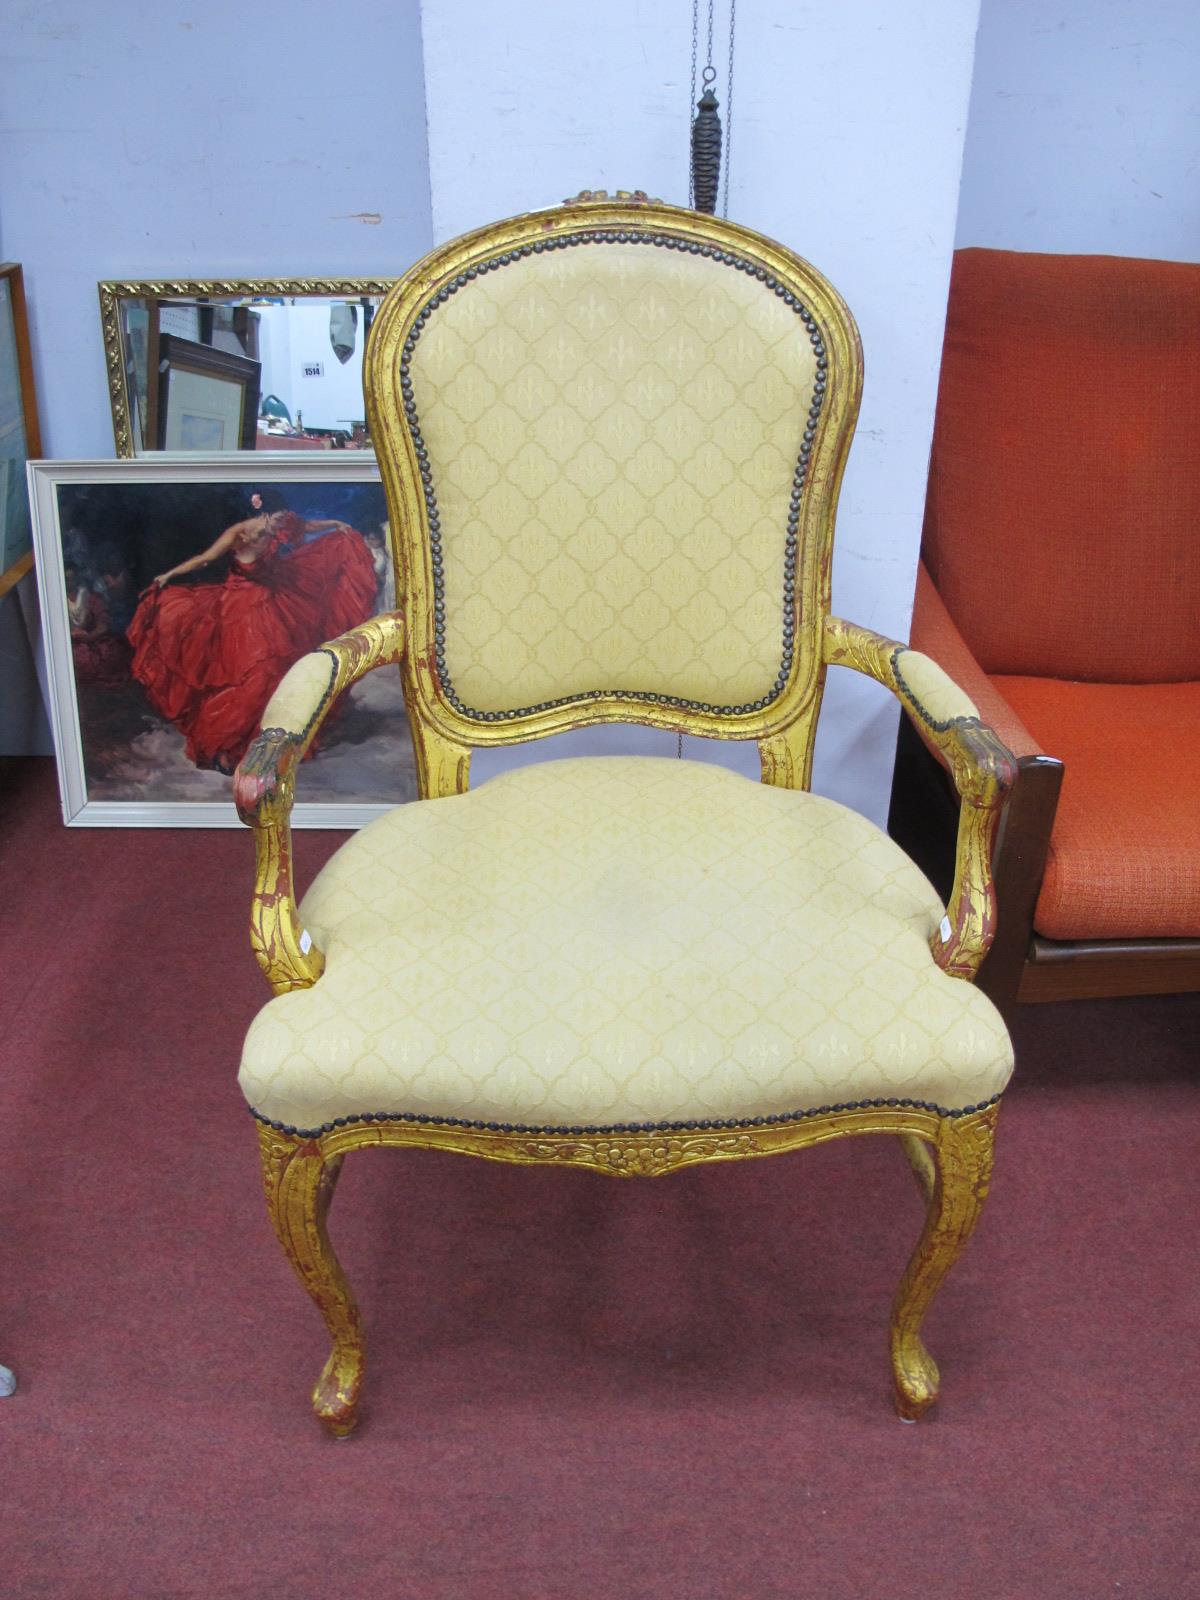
{"x": 19, "y": 436}
{"x": 175, "y": 595}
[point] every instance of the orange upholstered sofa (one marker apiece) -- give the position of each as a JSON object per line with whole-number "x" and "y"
{"x": 1060, "y": 586}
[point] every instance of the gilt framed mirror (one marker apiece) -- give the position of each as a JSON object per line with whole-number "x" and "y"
{"x": 237, "y": 364}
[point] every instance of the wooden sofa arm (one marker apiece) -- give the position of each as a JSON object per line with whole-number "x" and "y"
{"x": 264, "y": 785}
{"x": 981, "y": 766}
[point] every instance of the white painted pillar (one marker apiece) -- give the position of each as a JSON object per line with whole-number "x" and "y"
{"x": 847, "y": 139}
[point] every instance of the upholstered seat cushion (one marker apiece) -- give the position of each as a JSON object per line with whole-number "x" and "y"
{"x": 605, "y": 941}
{"x": 1124, "y": 858}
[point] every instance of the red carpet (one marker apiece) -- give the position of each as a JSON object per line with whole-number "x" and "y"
{"x": 577, "y": 1386}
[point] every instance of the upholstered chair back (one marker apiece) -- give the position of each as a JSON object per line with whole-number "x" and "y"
{"x": 611, "y": 437}
{"x": 1063, "y": 518}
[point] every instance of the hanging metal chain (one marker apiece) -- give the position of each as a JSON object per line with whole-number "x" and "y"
{"x": 705, "y": 171}
{"x": 692, "y": 96}
{"x": 710, "y": 74}
{"x": 729, "y": 107}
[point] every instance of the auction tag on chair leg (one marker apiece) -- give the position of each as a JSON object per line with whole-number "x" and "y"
{"x": 306, "y": 940}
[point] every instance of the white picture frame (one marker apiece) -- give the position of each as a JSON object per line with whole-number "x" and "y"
{"x": 90, "y": 795}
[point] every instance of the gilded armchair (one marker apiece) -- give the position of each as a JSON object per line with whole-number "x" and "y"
{"x": 611, "y": 436}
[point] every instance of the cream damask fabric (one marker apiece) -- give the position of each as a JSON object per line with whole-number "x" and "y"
{"x": 300, "y": 692}
{"x": 613, "y": 432}
{"x": 612, "y": 940}
{"x": 936, "y": 692}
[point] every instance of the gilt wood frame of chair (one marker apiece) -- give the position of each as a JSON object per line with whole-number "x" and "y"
{"x": 950, "y": 1149}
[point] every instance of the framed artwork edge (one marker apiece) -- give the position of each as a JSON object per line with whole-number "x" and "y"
{"x": 11, "y": 578}
{"x": 349, "y": 816}
{"x": 12, "y": 272}
{"x": 217, "y": 367}
{"x": 44, "y": 479}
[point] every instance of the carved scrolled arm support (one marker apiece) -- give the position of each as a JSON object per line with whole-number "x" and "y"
{"x": 264, "y": 788}
{"x": 981, "y": 766}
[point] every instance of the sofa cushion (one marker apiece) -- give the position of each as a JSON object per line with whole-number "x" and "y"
{"x": 1124, "y": 858}
{"x": 605, "y": 941}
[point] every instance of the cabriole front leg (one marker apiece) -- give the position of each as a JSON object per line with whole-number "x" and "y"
{"x": 299, "y": 1181}
{"x": 962, "y": 1160}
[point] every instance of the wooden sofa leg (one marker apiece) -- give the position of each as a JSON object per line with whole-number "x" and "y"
{"x": 1018, "y": 865}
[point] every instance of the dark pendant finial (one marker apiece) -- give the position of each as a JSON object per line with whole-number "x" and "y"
{"x": 706, "y": 153}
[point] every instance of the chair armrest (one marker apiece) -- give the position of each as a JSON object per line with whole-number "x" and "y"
{"x": 981, "y": 766}
{"x": 264, "y": 785}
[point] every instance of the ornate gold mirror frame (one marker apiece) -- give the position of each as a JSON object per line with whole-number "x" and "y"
{"x": 205, "y": 292}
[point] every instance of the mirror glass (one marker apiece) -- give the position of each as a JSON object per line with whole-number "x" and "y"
{"x": 275, "y": 367}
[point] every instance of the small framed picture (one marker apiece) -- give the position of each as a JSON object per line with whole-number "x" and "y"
{"x": 19, "y": 436}
{"x": 175, "y": 594}
{"x": 207, "y": 398}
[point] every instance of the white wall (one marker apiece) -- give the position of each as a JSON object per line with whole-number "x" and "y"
{"x": 847, "y": 139}
{"x": 1083, "y": 129}
{"x": 159, "y": 138}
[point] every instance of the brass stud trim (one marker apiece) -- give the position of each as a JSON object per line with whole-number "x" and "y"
{"x": 603, "y": 1130}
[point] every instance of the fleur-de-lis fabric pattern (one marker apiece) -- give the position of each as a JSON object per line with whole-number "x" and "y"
{"x": 613, "y": 433}
{"x": 615, "y": 940}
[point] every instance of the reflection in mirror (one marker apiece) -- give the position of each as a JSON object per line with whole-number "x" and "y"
{"x": 268, "y": 364}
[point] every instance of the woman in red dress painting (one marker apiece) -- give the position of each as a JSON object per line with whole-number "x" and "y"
{"x": 209, "y": 655}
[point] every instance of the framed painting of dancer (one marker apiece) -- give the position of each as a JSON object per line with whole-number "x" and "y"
{"x": 175, "y": 594}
